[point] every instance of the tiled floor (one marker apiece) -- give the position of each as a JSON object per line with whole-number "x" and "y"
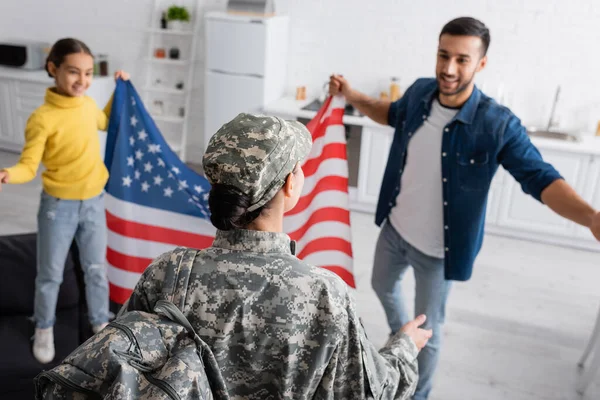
{"x": 514, "y": 332}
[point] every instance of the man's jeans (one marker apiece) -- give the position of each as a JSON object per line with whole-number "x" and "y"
{"x": 393, "y": 255}
{"x": 59, "y": 221}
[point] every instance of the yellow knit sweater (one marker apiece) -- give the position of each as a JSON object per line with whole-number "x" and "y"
{"x": 63, "y": 135}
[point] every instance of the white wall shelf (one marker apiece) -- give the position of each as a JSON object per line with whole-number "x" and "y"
{"x": 168, "y": 61}
{"x": 168, "y": 118}
{"x": 166, "y": 90}
{"x": 163, "y": 74}
{"x": 170, "y": 32}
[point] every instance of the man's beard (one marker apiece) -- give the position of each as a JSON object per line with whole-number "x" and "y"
{"x": 459, "y": 89}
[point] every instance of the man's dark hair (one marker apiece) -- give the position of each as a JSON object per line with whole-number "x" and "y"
{"x": 467, "y": 26}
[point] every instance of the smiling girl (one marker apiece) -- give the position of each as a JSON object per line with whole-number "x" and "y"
{"x": 62, "y": 134}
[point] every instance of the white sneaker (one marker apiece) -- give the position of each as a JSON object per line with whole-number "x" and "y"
{"x": 98, "y": 328}
{"x": 43, "y": 345}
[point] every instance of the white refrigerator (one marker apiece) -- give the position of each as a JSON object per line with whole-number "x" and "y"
{"x": 245, "y": 67}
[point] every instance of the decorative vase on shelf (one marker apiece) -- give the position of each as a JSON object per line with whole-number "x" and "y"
{"x": 174, "y": 53}
{"x": 178, "y": 25}
{"x": 178, "y": 17}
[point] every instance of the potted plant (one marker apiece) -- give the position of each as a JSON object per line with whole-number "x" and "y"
{"x": 178, "y": 17}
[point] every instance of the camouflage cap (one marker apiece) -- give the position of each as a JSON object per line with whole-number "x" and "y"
{"x": 255, "y": 154}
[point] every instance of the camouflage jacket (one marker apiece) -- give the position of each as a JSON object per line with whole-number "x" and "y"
{"x": 280, "y": 328}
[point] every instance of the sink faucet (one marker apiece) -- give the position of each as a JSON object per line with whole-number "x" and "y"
{"x": 552, "y": 122}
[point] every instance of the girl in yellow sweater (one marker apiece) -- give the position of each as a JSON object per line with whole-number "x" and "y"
{"x": 62, "y": 134}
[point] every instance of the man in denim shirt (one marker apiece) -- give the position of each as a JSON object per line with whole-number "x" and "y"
{"x": 449, "y": 141}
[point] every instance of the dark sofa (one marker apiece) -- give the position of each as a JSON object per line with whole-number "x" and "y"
{"x": 18, "y": 367}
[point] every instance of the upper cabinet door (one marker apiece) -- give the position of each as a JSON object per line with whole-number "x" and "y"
{"x": 236, "y": 46}
{"x": 5, "y": 111}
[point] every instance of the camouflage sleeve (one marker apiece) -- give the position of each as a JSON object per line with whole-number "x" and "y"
{"x": 147, "y": 291}
{"x": 362, "y": 372}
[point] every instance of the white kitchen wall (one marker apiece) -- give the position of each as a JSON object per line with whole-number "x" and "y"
{"x": 536, "y": 45}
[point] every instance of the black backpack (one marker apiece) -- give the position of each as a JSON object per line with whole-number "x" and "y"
{"x": 142, "y": 355}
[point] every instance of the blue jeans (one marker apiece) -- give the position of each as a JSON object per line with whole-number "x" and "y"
{"x": 393, "y": 255}
{"x": 59, "y": 221}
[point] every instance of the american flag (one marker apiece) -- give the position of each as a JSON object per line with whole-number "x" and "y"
{"x": 320, "y": 222}
{"x": 154, "y": 202}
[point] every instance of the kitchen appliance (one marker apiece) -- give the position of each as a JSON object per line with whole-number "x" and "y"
{"x": 246, "y": 63}
{"x": 30, "y": 55}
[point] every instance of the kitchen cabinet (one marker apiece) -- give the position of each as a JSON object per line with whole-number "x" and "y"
{"x": 7, "y": 132}
{"x": 521, "y": 216}
{"x": 591, "y": 193}
{"x": 374, "y": 151}
{"x": 494, "y": 195}
{"x": 28, "y": 96}
{"x": 523, "y": 213}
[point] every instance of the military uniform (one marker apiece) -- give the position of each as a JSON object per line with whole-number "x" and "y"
{"x": 278, "y": 327}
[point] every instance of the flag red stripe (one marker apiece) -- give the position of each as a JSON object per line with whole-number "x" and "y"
{"x": 342, "y": 273}
{"x": 321, "y": 215}
{"x": 317, "y": 119}
{"x": 125, "y": 262}
{"x": 326, "y": 244}
{"x": 327, "y": 183}
{"x": 118, "y": 294}
{"x": 334, "y": 119}
{"x": 332, "y": 150}
{"x": 155, "y": 233}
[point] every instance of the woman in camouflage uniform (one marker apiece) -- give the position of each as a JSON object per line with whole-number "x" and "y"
{"x": 278, "y": 327}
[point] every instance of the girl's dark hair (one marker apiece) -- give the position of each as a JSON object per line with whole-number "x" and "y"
{"x": 63, "y": 48}
{"x": 229, "y": 208}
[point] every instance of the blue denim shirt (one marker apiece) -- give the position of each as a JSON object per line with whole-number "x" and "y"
{"x": 482, "y": 136}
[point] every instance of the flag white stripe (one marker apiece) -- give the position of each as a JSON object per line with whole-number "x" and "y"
{"x": 330, "y": 198}
{"x": 336, "y": 102}
{"x": 329, "y": 167}
{"x": 165, "y": 219}
{"x": 122, "y": 278}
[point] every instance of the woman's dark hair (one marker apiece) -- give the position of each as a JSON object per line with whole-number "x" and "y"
{"x": 229, "y": 208}
{"x": 467, "y": 26}
{"x": 63, "y": 48}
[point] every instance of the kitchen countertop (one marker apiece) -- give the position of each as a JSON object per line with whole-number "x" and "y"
{"x": 27, "y": 75}
{"x": 289, "y": 106}
{"x": 586, "y": 145}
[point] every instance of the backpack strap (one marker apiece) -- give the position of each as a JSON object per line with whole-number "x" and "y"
{"x": 170, "y": 305}
{"x": 177, "y": 276}
{"x": 211, "y": 366}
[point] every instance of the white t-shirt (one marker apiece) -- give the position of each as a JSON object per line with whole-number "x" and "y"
{"x": 418, "y": 215}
